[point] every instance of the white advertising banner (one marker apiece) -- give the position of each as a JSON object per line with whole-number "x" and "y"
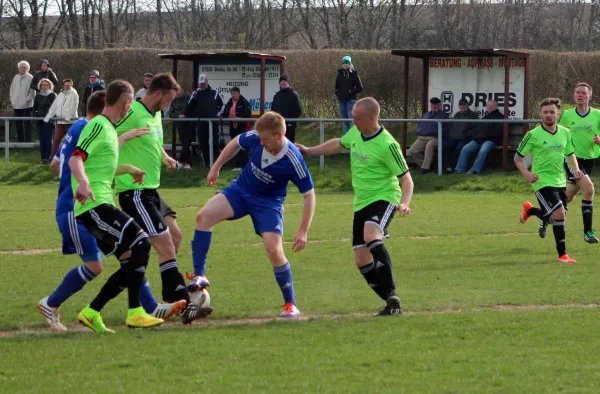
{"x": 477, "y": 80}
{"x": 246, "y": 76}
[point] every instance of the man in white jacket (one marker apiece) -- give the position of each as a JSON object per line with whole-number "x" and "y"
{"x": 21, "y": 99}
{"x": 65, "y": 107}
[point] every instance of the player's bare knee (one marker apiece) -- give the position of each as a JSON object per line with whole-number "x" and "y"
{"x": 362, "y": 257}
{"x": 203, "y": 220}
{"x": 559, "y": 214}
{"x": 371, "y": 233}
{"x": 95, "y": 266}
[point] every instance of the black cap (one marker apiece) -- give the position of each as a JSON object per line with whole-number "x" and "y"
{"x": 462, "y": 101}
{"x": 284, "y": 77}
{"x": 44, "y": 61}
{"x": 435, "y": 100}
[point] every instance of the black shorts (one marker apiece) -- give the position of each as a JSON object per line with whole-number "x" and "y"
{"x": 379, "y": 213}
{"x": 551, "y": 198}
{"x": 585, "y": 165}
{"x": 114, "y": 230}
{"x": 148, "y": 209}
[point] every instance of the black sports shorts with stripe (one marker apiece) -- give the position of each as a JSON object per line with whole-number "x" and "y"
{"x": 379, "y": 213}
{"x": 148, "y": 210}
{"x": 115, "y": 231}
{"x": 551, "y": 198}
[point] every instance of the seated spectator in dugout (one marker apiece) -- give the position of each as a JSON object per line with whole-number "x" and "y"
{"x": 423, "y": 149}
{"x": 486, "y": 136}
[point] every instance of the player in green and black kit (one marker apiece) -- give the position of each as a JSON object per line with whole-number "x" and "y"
{"x": 584, "y": 124}
{"x": 94, "y": 165}
{"x": 142, "y": 202}
{"x": 377, "y": 165}
{"x": 549, "y": 144}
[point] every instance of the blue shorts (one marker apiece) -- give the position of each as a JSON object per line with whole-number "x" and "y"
{"x": 266, "y": 214}
{"x": 76, "y": 238}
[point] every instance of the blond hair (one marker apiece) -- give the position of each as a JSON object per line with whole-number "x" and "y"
{"x": 270, "y": 122}
{"x": 39, "y": 86}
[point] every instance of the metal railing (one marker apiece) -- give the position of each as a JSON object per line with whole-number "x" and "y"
{"x": 320, "y": 121}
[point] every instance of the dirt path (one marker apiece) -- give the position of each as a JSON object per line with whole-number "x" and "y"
{"x": 212, "y": 322}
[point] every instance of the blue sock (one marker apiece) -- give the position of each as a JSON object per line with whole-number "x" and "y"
{"x": 147, "y": 298}
{"x": 200, "y": 246}
{"x": 283, "y": 276}
{"x": 73, "y": 282}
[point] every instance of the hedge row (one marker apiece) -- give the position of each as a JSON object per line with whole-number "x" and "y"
{"x": 312, "y": 73}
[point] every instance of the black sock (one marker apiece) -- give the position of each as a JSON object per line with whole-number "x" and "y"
{"x": 112, "y": 288}
{"x": 136, "y": 270}
{"x": 537, "y": 212}
{"x": 558, "y": 227}
{"x": 173, "y": 284}
{"x": 587, "y": 212}
{"x": 369, "y": 271}
{"x": 383, "y": 265}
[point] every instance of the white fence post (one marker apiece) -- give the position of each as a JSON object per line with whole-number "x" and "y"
{"x": 321, "y": 142}
{"x": 211, "y": 142}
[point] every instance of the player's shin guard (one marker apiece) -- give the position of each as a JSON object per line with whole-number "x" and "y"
{"x": 136, "y": 269}
{"x": 558, "y": 227}
{"x": 73, "y": 281}
{"x": 383, "y": 265}
{"x": 173, "y": 284}
{"x": 200, "y": 247}
{"x": 283, "y": 276}
{"x": 370, "y": 274}
{"x": 587, "y": 212}
{"x": 111, "y": 289}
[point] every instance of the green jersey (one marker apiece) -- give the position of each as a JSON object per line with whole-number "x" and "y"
{"x": 548, "y": 151}
{"x": 99, "y": 147}
{"x": 377, "y": 162}
{"x": 144, "y": 152}
{"x": 583, "y": 130}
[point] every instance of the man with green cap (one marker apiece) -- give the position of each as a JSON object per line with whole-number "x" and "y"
{"x": 347, "y": 85}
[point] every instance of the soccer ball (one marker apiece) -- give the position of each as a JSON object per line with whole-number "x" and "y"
{"x": 200, "y": 298}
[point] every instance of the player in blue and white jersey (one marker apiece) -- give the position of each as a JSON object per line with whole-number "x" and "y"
{"x": 76, "y": 238}
{"x": 259, "y": 192}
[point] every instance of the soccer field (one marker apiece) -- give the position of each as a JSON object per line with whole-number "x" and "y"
{"x": 487, "y": 307}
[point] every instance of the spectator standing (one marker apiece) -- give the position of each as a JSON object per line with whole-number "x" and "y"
{"x": 423, "y": 149}
{"x": 485, "y": 138}
{"x": 21, "y": 99}
{"x": 238, "y": 107}
{"x": 64, "y": 107}
{"x": 347, "y": 86}
{"x": 206, "y": 103}
{"x": 41, "y": 105}
{"x": 45, "y": 72}
{"x": 287, "y": 103}
{"x": 460, "y": 134}
{"x": 186, "y": 130}
{"x": 95, "y": 84}
{"x": 142, "y": 92}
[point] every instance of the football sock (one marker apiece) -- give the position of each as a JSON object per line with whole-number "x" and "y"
{"x": 558, "y": 227}
{"x": 147, "y": 298}
{"x": 111, "y": 289}
{"x": 136, "y": 270}
{"x": 73, "y": 281}
{"x": 173, "y": 284}
{"x": 200, "y": 246}
{"x": 587, "y": 212}
{"x": 283, "y": 276}
{"x": 383, "y": 265}
{"x": 370, "y": 274}
{"x": 537, "y": 212}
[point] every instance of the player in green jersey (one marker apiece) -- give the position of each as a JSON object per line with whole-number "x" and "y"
{"x": 377, "y": 165}
{"x": 549, "y": 144}
{"x": 142, "y": 202}
{"x": 94, "y": 164}
{"x": 584, "y": 124}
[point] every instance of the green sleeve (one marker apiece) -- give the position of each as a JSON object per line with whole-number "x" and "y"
{"x": 346, "y": 139}
{"x": 91, "y": 140}
{"x": 526, "y": 144}
{"x": 394, "y": 159}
